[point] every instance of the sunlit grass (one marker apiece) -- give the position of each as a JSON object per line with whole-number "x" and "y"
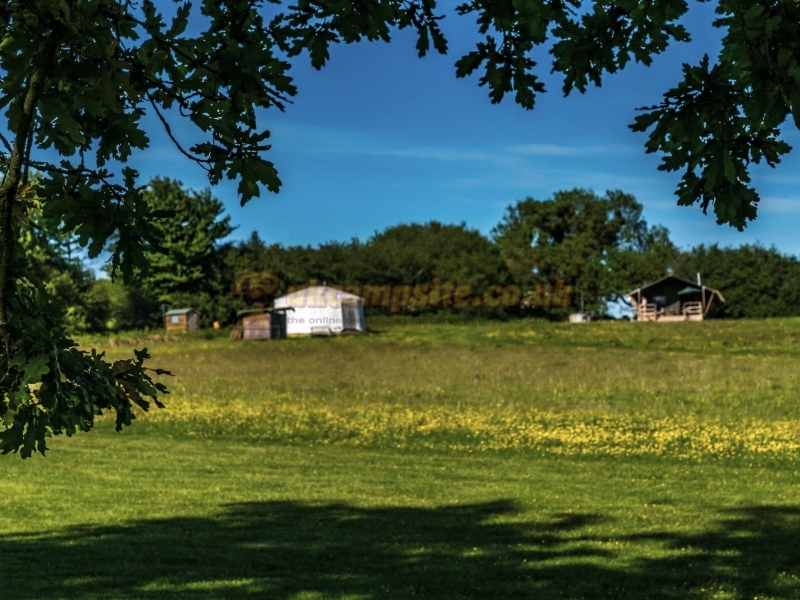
{"x": 689, "y": 391}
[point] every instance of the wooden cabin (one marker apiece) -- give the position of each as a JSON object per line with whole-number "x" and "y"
{"x": 674, "y": 298}
{"x": 181, "y": 320}
{"x": 260, "y": 324}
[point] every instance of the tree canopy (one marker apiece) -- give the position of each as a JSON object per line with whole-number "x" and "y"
{"x": 77, "y": 78}
{"x": 408, "y": 254}
{"x": 600, "y": 244}
{"x": 187, "y": 274}
{"x": 757, "y": 282}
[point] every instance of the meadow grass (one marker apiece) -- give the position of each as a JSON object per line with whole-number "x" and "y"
{"x": 685, "y": 390}
{"x": 493, "y": 460}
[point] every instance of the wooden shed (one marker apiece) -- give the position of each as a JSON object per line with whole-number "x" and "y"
{"x": 674, "y": 298}
{"x": 181, "y": 320}
{"x": 260, "y": 324}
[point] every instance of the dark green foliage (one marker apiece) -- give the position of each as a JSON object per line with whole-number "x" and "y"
{"x": 757, "y": 282}
{"x": 116, "y": 307}
{"x": 409, "y": 254}
{"x": 651, "y": 258}
{"x": 332, "y": 262}
{"x": 53, "y": 387}
{"x": 726, "y": 115}
{"x": 415, "y": 254}
{"x": 597, "y": 244}
{"x": 188, "y": 270}
{"x": 54, "y": 258}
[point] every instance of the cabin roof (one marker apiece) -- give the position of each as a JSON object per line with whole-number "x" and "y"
{"x": 179, "y": 311}
{"x": 689, "y": 283}
{"x": 250, "y": 311}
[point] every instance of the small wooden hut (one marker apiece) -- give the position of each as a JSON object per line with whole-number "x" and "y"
{"x": 260, "y": 324}
{"x": 674, "y": 298}
{"x": 181, "y": 320}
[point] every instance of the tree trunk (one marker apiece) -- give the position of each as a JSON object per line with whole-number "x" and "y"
{"x": 8, "y": 191}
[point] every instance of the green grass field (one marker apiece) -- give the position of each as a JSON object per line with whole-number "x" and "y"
{"x": 516, "y": 460}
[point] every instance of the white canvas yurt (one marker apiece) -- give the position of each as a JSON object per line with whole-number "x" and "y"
{"x": 322, "y": 310}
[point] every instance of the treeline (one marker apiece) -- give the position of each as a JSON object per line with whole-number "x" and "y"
{"x": 601, "y": 246}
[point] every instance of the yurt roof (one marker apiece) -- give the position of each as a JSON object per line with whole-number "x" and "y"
{"x": 319, "y": 290}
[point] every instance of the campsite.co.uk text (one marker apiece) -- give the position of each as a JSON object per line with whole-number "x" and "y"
{"x": 440, "y": 292}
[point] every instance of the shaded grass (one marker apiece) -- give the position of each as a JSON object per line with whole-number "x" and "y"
{"x": 161, "y": 518}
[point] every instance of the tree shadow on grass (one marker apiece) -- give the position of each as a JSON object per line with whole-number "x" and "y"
{"x": 282, "y": 550}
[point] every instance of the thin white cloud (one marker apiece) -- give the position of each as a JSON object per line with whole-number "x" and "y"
{"x": 776, "y": 178}
{"x": 571, "y": 178}
{"x": 511, "y": 154}
{"x": 783, "y": 206}
{"x": 440, "y": 153}
{"x": 428, "y": 153}
{"x": 523, "y": 169}
{"x": 328, "y": 140}
{"x": 564, "y": 150}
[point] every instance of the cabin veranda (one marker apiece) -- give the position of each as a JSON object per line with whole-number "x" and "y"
{"x": 673, "y": 298}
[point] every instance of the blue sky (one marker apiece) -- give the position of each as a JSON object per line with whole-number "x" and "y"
{"x": 379, "y": 137}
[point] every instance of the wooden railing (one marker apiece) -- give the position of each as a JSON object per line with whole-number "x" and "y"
{"x": 650, "y": 312}
{"x": 693, "y": 308}
{"x": 647, "y": 312}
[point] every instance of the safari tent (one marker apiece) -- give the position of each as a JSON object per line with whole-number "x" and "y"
{"x": 322, "y": 310}
{"x": 674, "y": 298}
